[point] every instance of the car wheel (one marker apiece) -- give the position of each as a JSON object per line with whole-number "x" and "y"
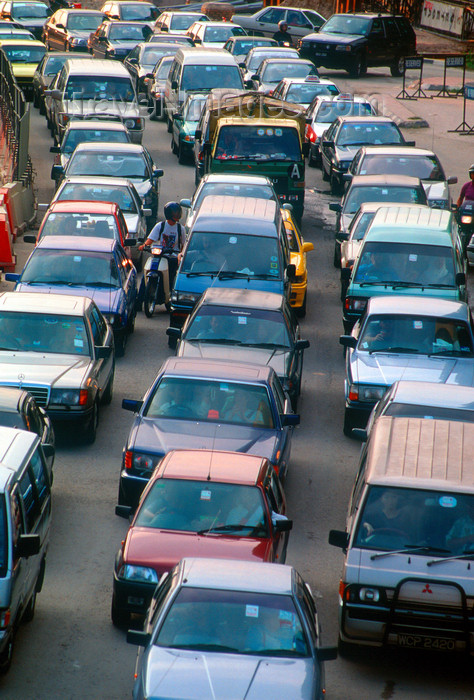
{"x": 109, "y": 389}
{"x": 358, "y": 67}
{"x": 197, "y": 179}
{"x": 29, "y": 613}
{"x": 337, "y": 255}
{"x": 90, "y": 430}
{"x": 120, "y": 343}
{"x": 35, "y": 99}
{"x": 41, "y": 107}
{"x": 172, "y": 342}
{"x": 324, "y": 173}
{"x": 131, "y": 320}
{"x": 346, "y": 650}
{"x": 312, "y": 161}
{"x": 336, "y": 187}
{"x": 174, "y": 148}
{"x": 6, "y": 655}
{"x": 149, "y": 302}
{"x": 153, "y": 114}
{"x": 347, "y": 428}
{"x": 120, "y": 617}
{"x": 169, "y": 125}
{"x": 301, "y": 311}
{"x": 398, "y": 67}
{"x": 182, "y": 157}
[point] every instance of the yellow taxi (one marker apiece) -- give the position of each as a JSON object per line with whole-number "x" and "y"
{"x": 24, "y": 56}
{"x": 298, "y": 250}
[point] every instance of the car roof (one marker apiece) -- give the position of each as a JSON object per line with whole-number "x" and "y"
{"x": 71, "y": 206}
{"x": 216, "y": 369}
{"x": 101, "y": 67}
{"x": 211, "y": 465}
{"x": 366, "y": 120}
{"x": 231, "y": 214}
{"x": 21, "y": 42}
{"x": 32, "y": 302}
{"x": 421, "y": 453}
{"x": 316, "y": 80}
{"x": 237, "y": 178}
{"x": 407, "y": 151}
{"x": 199, "y": 54}
{"x": 243, "y": 298}
{"x": 290, "y": 59}
{"x": 104, "y": 146}
{"x": 80, "y": 11}
{"x": 232, "y": 574}
{"x": 95, "y": 180}
{"x": 217, "y": 23}
{"x": 433, "y": 394}
{"x": 133, "y": 2}
{"x": 418, "y": 306}
{"x": 415, "y": 222}
{"x": 77, "y": 243}
{"x": 372, "y": 207}
{"x": 374, "y": 180}
{"x": 103, "y": 125}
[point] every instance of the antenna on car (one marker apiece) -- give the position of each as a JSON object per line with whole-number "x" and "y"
{"x": 212, "y": 453}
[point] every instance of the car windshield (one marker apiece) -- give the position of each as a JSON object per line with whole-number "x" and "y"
{"x": 126, "y": 32}
{"x": 214, "y": 253}
{"x": 396, "y": 518}
{"x": 3, "y": 535}
{"x": 193, "y": 110}
{"x": 359, "y": 225}
{"x": 108, "y": 165}
{"x": 100, "y": 193}
{"x": 368, "y": 133}
{"x": 239, "y": 622}
{"x": 152, "y": 54}
{"x": 195, "y": 506}
{"x": 43, "y": 332}
{"x": 139, "y": 11}
{"x": 86, "y": 22}
{"x": 243, "y": 46}
{"x": 239, "y": 326}
{"x": 200, "y": 77}
{"x": 71, "y": 268}
{"x": 303, "y": 93}
{"x": 255, "y": 58}
{"x": 77, "y": 136}
{"x": 54, "y": 64}
{"x": 101, "y": 225}
{"x": 382, "y": 193}
{"x": 162, "y": 70}
{"x": 181, "y": 21}
{"x": 234, "y": 189}
{"x": 406, "y": 263}
{"x": 29, "y": 10}
{"x": 221, "y": 34}
{"x": 345, "y": 24}
{"x": 257, "y": 143}
{"x": 424, "y": 167}
{"x": 89, "y": 87}
{"x": 24, "y": 54}
{"x": 210, "y": 400}
{"x": 274, "y": 72}
{"x": 427, "y": 335}
{"x": 329, "y": 111}
{"x": 408, "y": 410}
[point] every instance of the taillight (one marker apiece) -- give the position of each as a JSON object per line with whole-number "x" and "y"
{"x": 310, "y": 135}
{"x": 128, "y": 460}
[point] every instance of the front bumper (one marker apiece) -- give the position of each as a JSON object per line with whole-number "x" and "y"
{"x": 358, "y": 413}
{"x": 298, "y": 293}
{"x": 70, "y": 413}
{"x": 130, "y": 488}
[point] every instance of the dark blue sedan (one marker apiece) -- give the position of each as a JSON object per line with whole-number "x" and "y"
{"x": 94, "y": 267}
{"x": 206, "y": 404}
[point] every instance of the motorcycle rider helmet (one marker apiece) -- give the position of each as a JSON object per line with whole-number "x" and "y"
{"x": 282, "y": 25}
{"x": 173, "y": 210}
{"x": 471, "y": 169}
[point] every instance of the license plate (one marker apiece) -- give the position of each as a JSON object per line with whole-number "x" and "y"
{"x": 132, "y": 600}
{"x": 320, "y": 53}
{"x": 421, "y": 641}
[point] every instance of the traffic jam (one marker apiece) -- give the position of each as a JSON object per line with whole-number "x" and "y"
{"x": 200, "y": 583}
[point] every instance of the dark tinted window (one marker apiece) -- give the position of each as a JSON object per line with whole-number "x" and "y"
{"x": 407, "y": 410}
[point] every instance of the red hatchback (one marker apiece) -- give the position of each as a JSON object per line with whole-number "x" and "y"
{"x": 198, "y": 503}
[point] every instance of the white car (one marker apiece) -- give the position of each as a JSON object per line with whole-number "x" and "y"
{"x": 302, "y": 91}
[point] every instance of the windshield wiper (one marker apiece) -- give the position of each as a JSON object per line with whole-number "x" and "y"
{"x": 228, "y": 528}
{"x": 410, "y": 548}
{"x": 410, "y": 351}
{"x": 231, "y": 274}
{"x": 224, "y": 341}
{"x": 372, "y": 283}
{"x": 463, "y": 555}
{"x": 109, "y": 285}
{"x": 202, "y": 273}
{"x": 204, "y": 647}
{"x": 270, "y": 346}
{"x": 456, "y": 353}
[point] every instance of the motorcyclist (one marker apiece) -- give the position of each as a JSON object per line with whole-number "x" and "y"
{"x": 467, "y": 190}
{"x": 170, "y": 234}
{"x": 282, "y": 36}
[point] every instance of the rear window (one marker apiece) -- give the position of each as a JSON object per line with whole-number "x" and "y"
{"x": 77, "y": 136}
{"x": 275, "y": 72}
{"x": 199, "y": 77}
{"x": 304, "y": 93}
{"x": 100, "y": 193}
{"x": 371, "y": 133}
{"x": 330, "y": 111}
{"x": 424, "y": 167}
{"x": 100, "y": 225}
{"x": 87, "y": 87}
{"x": 258, "y": 143}
{"x": 389, "y": 193}
{"x": 407, "y": 410}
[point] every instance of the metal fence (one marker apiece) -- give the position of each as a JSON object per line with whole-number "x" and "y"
{"x": 15, "y": 125}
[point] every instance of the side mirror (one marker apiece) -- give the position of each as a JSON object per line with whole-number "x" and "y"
{"x": 132, "y": 405}
{"x": 326, "y": 653}
{"x": 197, "y": 40}
{"x": 197, "y": 135}
{"x": 291, "y": 271}
{"x": 305, "y": 148}
{"x": 123, "y": 511}
{"x": 302, "y": 344}
{"x": 359, "y": 434}
{"x": 452, "y": 180}
{"x": 54, "y": 94}
{"x": 102, "y": 352}
{"x": 346, "y": 273}
{"x": 49, "y": 451}
{"x": 57, "y": 171}
{"x": 410, "y": 143}
{"x": 177, "y": 116}
{"x": 248, "y": 84}
{"x": 60, "y": 26}
{"x": 343, "y": 236}
{"x": 130, "y": 242}
{"x": 242, "y": 65}
{"x": 141, "y": 639}
{"x": 12, "y": 276}
{"x": 348, "y": 341}
{"x": 158, "y": 172}
{"x": 55, "y": 149}
{"x": 173, "y": 332}
{"x": 460, "y": 279}
{"x": 329, "y": 144}
{"x": 29, "y": 238}
{"x": 338, "y": 538}
{"x": 288, "y": 419}
{"x": 174, "y": 85}
{"x": 101, "y": 39}
{"x": 287, "y": 207}
{"x": 254, "y": 77}
{"x": 307, "y": 246}
{"x": 133, "y": 60}
{"x": 335, "y": 206}
{"x": 347, "y": 177}
{"x": 186, "y": 203}
{"x": 146, "y": 212}
{"x": 283, "y": 525}
{"x": 28, "y": 545}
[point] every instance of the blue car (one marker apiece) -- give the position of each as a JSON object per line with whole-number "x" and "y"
{"x": 206, "y": 404}
{"x": 94, "y": 267}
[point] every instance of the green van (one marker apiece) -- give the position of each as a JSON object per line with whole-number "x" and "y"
{"x": 406, "y": 250}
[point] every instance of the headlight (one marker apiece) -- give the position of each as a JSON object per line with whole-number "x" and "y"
{"x": 185, "y": 297}
{"x": 369, "y": 595}
{"x": 363, "y": 392}
{"x": 76, "y": 41}
{"x": 141, "y": 462}
{"x": 129, "y": 123}
{"x": 343, "y": 47}
{"x": 466, "y": 219}
{"x": 69, "y": 397}
{"x": 188, "y": 138}
{"x": 142, "y": 574}
{"x": 366, "y": 594}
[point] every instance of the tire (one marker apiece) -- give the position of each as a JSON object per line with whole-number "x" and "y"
{"x": 301, "y": 311}
{"x": 29, "y": 613}
{"x": 120, "y": 618}
{"x": 182, "y": 157}
{"x": 347, "y": 427}
{"x": 169, "y": 125}
{"x": 153, "y": 116}
{"x": 109, "y": 389}
{"x": 90, "y": 430}
{"x": 346, "y": 650}
{"x": 335, "y": 185}
{"x": 7, "y": 654}
{"x": 150, "y": 296}
{"x": 337, "y": 256}
{"x": 41, "y": 107}
{"x": 312, "y": 162}
{"x": 359, "y": 67}
{"x": 197, "y": 179}
{"x": 397, "y": 68}
{"x": 121, "y": 343}
{"x": 324, "y": 173}
{"x": 35, "y": 99}
{"x": 174, "y": 148}
{"x": 172, "y": 342}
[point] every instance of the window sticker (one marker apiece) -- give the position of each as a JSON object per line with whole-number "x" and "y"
{"x": 78, "y": 343}
{"x": 365, "y": 344}
{"x": 447, "y": 502}
{"x": 224, "y": 387}
{"x": 273, "y": 258}
{"x": 269, "y": 132}
{"x": 251, "y": 611}
{"x": 232, "y": 240}
{"x": 261, "y": 132}
{"x": 77, "y": 258}
{"x": 205, "y": 495}
{"x": 273, "y": 272}
{"x": 278, "y": 132}
{"x": 273, "y": 265}
{"x": 418, "y": 325}
{"x": 242, "y": 320}
{"x": 286, "y": 618}
{"x": 385, "y": 193}
{"x": 413, "y": 257}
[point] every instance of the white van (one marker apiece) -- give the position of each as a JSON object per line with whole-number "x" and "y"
{"x": 407, "y": 577}
{"x": 25, "y": 516}
{"x": 201, "y": 70}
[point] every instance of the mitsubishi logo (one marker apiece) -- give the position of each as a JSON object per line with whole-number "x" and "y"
{"x": 427, "y": 589}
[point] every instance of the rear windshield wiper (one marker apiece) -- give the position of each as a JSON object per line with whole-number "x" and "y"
{"x": 409, "y": 549}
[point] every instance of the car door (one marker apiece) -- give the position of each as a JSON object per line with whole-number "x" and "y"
{"x": 282, "y": 405}
{"x": 294, "y": 333}
{"x": 99, "y": 42}
{"x": 132, "y": 64}
{"x": 298, "y": 24}
{"x": 377, "y": 49}
{"x": 128, "y": 279}
{"x": 267, "y": 22}
{"x": 101, "y": 336}
{"x": 328, "y": 148}
{"x": 276, "y": 502}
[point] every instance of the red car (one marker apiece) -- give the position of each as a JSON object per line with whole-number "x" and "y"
{"x": 198, "y": 503}
{"x": 84, "y": 218}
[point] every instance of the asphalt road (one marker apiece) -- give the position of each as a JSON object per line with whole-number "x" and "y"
{"x": 71, "y": 650}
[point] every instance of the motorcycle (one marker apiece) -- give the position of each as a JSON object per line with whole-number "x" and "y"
{"x": 465, "y": 218}
{"x": 157, "y": 281}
